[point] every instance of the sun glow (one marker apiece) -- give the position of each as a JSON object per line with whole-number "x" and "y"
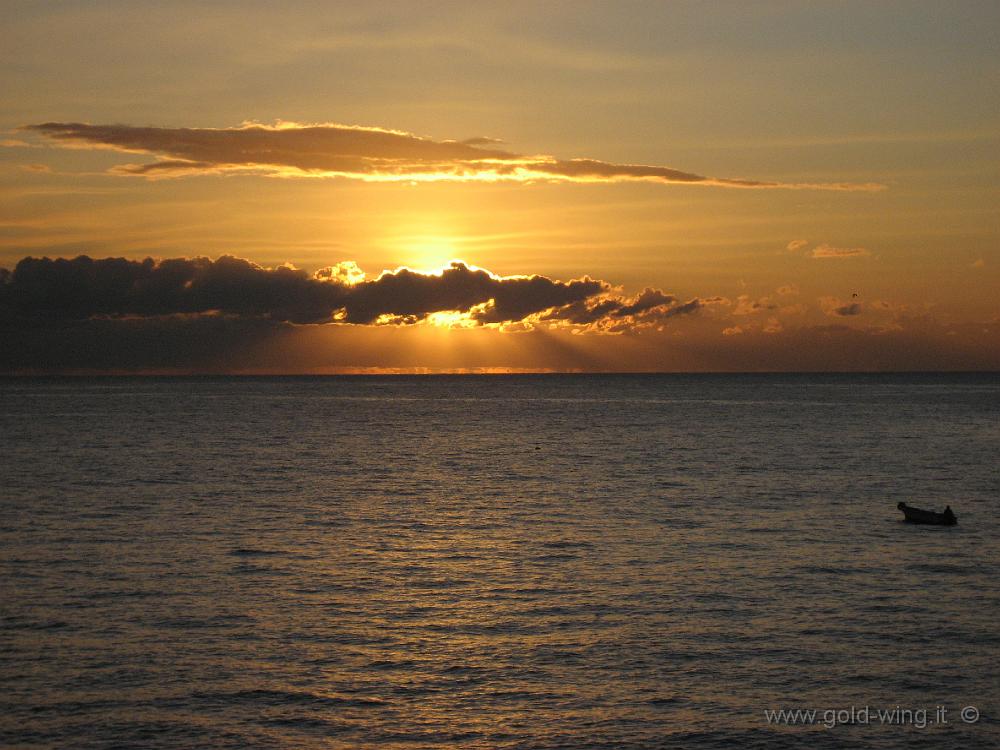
{"x": 429, "y": 254}
{"x": 451, "y": 319}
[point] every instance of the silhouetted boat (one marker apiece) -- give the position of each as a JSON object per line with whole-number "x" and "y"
{"x": 917, "y": 515}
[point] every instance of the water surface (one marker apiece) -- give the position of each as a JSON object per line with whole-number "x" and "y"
{"x": 496, "y": 562}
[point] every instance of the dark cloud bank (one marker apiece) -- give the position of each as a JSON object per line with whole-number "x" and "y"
{"x": 114, "y": 312}
{"x": 229, "y": 314}
{"x": 44, "y": 290}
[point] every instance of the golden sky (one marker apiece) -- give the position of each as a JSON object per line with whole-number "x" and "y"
{"x": 627, "y": 186}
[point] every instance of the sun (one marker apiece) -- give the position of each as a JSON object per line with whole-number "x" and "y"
{"x": 430, "y": 253}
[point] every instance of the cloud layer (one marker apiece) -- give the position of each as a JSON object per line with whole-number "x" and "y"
{"x": 333, "y": 150}
{"x": 44, "y": 290}
{"x": 232, "y": 315}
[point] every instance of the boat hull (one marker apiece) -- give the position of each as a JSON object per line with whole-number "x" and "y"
{"x": 918, "y": 515}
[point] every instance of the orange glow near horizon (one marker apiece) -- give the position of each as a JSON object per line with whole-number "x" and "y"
{"x": 734, "y": 215}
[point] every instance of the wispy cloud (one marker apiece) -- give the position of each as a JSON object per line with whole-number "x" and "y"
{"x": 36, "y": 168}
{"x": 826, "y": 251}
{"x": 366, "y": 153}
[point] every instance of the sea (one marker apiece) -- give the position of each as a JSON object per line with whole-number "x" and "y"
{"x": 524, "y": 561}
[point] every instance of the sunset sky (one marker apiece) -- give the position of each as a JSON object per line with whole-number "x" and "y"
{"x": 617, "y": 186}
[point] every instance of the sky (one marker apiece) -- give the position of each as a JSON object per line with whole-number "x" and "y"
{"x": 324, "y": 187}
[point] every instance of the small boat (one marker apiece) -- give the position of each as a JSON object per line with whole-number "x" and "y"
{"x": 916, "y": 515}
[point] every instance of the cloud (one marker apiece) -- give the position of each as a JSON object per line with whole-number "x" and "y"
{"x": 611, "y": 314}
{"x": 481, "y": 140}
{"x": 41, "y": 289}
{"x": 36, "y": 168}
{"x": 837, "y": 308}
{"x": 407, "y": 296}
{"x": 773, "y": 325}
{"x": 230, "y": 315}
{"x": 746, "y": 305}
{"x": 364, "y": 153}
{"x": 51, "y": 292}
{"x": 826, "y": 251}
{"x": 114, "y": 314}
{"x": 853, "y": 308}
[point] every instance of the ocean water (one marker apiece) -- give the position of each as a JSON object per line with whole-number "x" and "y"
{"x": 499, "y": 562}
